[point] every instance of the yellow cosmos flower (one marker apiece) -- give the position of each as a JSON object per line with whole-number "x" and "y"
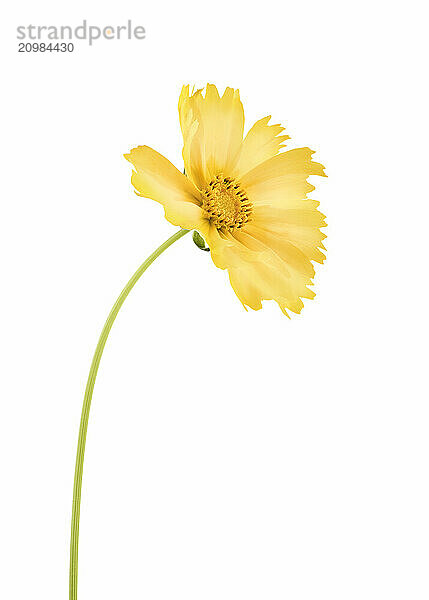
{"x": 246, "y": 198}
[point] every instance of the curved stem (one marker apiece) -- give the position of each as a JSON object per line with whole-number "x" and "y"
{"x": 77, "y": 488}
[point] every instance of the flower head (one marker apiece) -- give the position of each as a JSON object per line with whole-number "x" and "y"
{"x": 246, "y": 198}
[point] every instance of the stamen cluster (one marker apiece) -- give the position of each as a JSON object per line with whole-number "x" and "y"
{"x": 226, "y": 204}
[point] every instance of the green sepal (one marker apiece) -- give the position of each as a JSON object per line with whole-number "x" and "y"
{"x": 199, "y": 241}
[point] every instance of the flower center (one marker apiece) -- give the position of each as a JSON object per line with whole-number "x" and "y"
{"x": 226, "y": 204}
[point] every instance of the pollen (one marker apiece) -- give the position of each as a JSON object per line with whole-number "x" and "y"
{"x": 226, "y": 204}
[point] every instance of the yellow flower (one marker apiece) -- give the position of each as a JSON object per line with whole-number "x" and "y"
{"x": 247, "y": 199}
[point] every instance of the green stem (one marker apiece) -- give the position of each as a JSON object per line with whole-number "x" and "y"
{"x": 77, "y": 488}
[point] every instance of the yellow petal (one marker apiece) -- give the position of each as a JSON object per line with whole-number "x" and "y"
{"x": 189, "y": 126}
{"x": 293, "y": 256}
{"x": 306, "y": 239}
{"x": 298, "y": 226}
{"x": 278, "y": 190}
{"x": 212, "y": 128}
{"x": 262, "y": 142}
{"x": 278, "y": 217}
{"x": 186, "y": 116}
{"x": 262, "y": 280}
{"x": 156, "y": 178}
{"x": 258, "y": 272}
{"x": 282, "y": 180}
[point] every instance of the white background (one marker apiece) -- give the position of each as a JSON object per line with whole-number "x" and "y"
{"x": 230, "y": 455}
